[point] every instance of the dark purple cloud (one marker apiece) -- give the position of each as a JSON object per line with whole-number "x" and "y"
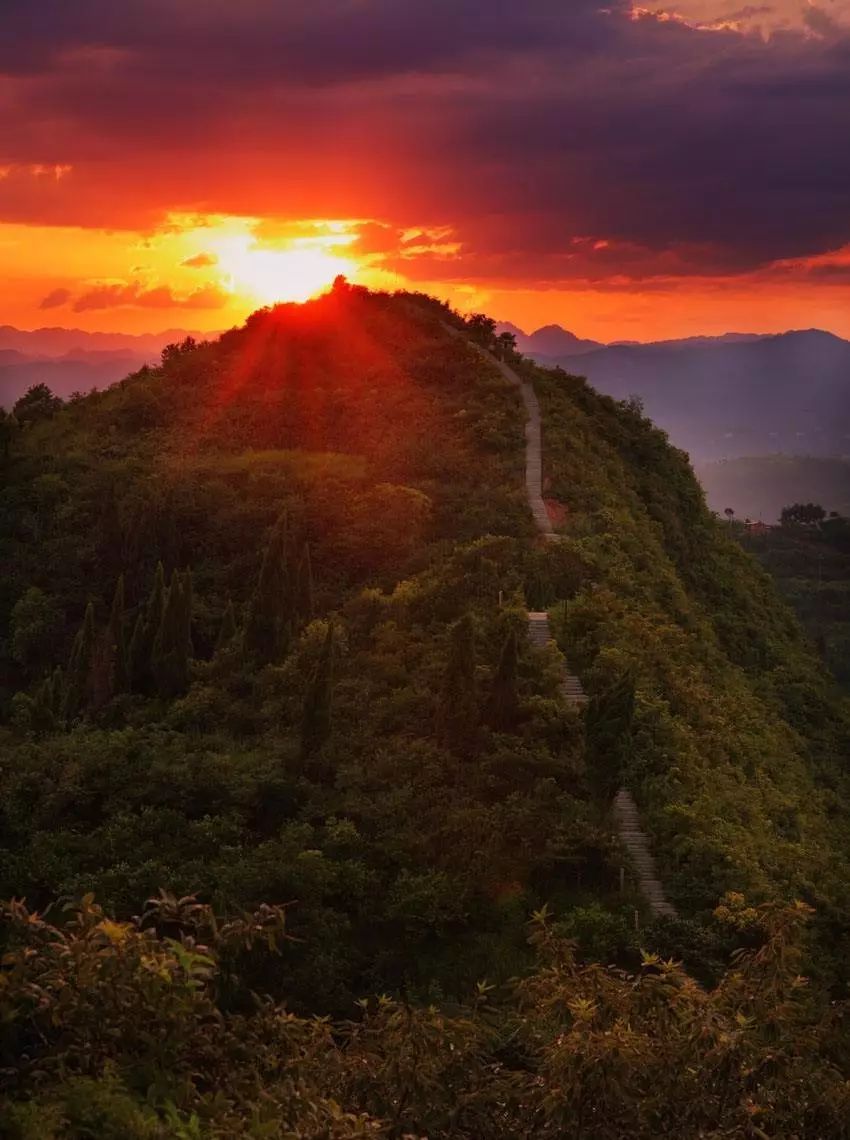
{"x": 536, "y": 129}
{"x": 55, "y": 299}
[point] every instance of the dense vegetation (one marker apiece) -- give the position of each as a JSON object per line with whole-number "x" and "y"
{"x": 810, "y": 560}
{"x": 265, "y": 666}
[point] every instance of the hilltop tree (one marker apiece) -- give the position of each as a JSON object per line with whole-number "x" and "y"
{"x": 481, "y": 329}
{"x": 505, "y": 345}
{"x": 37, "y": 403}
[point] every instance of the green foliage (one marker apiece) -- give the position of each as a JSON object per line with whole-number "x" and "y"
{"x": 573, "y": 1050}
{"x": 268, "y": 627}
{"x": 503, "y": 706}
{"x": 36, "y": 623}
{"x": 118, "y": 641}
{"x": 37, "y": 404}
{"x": 172, "y": 645}
{"x": 322, "y": 754}
{"x": 80, "y": 684}
{"x": 802, "y": 514}
{"x": 318, "y": 703}
{"x": 459, "y": 708}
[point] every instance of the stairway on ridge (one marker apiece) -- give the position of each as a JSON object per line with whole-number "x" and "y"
{"x": 625, "y": 809}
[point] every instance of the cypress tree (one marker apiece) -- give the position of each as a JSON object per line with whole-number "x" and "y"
{"x": 267, "y": 627}
{"x": 137, "y": 661}
{"x": 78, "y": 690}
{"x": 304, "y": 586}
{"x": 608, "y": 728}
{"x": 503, "y": 703}
{"x": 43, "y": 716}
{"x": 170, "y": 660}
{"x": 153, "y": 615}
{"x": 188, "y": 602}
{"x": 458, "y": 712}
{"x": 227, "y": 632}
{"x": 316, "y": 720}
{"x": 117, "y": 641}
{"x": 57, "y": 688}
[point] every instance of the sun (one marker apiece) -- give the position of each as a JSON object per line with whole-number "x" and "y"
{"x": 271, "y": 275}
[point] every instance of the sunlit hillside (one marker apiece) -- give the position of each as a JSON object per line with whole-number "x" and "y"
{"x": 267, "y": 687}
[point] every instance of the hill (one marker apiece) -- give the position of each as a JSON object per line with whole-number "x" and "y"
{"x": 550, "y": 341}
{"x": 265, "y": 665}
{"x": 811, "y": 564}
{"x": 785, "y": 393}
{"x": 71, "y": 360}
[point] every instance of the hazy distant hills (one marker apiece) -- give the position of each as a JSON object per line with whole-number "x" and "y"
{"x": 549, "y": 342}
{"x": 722, "y": 397}
{"x": 69, "y": 360}
{"x": 759, "y": 487}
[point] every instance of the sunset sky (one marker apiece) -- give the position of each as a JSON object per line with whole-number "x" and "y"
{"x": 627, "y": 171}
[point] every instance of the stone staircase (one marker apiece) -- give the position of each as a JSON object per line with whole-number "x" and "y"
{"x": 635, "y": 842}
{"x": 540, "y": 635}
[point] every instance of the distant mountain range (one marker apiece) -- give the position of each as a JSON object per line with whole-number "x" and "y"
{"x": 69, "y": 360}
{"x": 741, "y": 394}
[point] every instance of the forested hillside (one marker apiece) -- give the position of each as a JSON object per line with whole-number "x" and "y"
{"x": 272, "y": 726}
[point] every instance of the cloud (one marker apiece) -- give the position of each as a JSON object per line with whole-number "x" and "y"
{"x": 200, "y": 261}
{"x": 55, "y": 298}
{"x": 113, "y": 295}
{"x": 526, "y": 128}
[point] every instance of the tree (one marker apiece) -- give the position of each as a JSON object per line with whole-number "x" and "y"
{"x": 117, "y": 643}
{"x": 171, "y": 651}
{"x": 268, "y": 625}
{"x": 38, "y": 403}
{"x": 608, "y": 728}
{"x": 505, "y": 345}
{"x": 304, "y": 586}
{"x": 137, "y": 662}
{"x": 8, "y": 427}
{"x": 145, "y": 634}
{"x": 481, "y": 329}
{"x": 35, "y": 627}
{"x": 78, "y": 690}
{"x": 318, "y": 704}
{"x": 227, "y": 630}
{"x": 802, "y": 514}
{"x": 458, "y": 708}
{"x": 178, "y": 349}
{"x": 503, "y": 704}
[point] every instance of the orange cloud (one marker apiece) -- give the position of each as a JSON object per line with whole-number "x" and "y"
{"x": 200, "y": 261}
{"x": 118, "y": 295}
